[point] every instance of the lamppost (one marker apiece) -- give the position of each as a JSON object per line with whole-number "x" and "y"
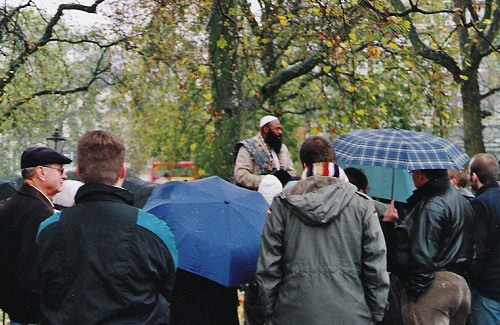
{"x": 57, "y": 138}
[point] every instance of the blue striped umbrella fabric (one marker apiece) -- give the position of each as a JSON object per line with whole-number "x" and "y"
{"x": 400, "y": 149}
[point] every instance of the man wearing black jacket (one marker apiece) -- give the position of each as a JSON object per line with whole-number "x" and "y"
{"x": 43, "y": 174}
{"x": 435, "y": 251}
{"x": 485, "y": 277}
{"x": 103, "y": 261}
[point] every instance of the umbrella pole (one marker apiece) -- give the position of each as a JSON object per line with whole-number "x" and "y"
{"x": 392, "y": 185}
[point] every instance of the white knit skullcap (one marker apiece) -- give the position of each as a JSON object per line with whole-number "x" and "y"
{"x": 66, "y": 197}
{"x": 267, "y": 119}
{"x": 269, "y": 187}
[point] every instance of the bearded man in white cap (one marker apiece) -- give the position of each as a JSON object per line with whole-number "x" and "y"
{"x": 263, "y": 154}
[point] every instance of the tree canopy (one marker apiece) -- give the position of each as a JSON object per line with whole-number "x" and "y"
{"x": 186, "y": 81}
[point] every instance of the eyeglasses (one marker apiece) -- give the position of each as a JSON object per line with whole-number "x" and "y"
{"x": 60, "y": 170}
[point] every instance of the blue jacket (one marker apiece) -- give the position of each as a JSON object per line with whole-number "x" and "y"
{"x": 105, "y": 261}
{"x": 486, "y": 272}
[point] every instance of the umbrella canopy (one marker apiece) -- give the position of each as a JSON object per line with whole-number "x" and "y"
{"x": 217, "y": 227}
{"x": 7, "y": 189}
{"x": 379, "y": 178}
{"x": 393, "y": 152}
{"x": 140, "y": 188}
{"x": 401, "y": 149}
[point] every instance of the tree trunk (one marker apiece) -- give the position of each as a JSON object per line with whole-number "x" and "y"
{"x": 223, "y": 44}
{"x": 471, "y": 105}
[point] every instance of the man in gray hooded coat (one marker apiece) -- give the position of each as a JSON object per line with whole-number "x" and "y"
{"x": 323, "y": 254}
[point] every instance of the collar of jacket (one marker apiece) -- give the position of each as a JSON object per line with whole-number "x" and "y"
{"x": 431, "y": 188}
{"x": 485, "y": 187}
{"x": 29, "y": 190}
{"x": 101, "y": 192}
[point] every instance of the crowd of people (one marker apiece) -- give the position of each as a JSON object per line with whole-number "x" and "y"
{"x": 329, "y": 253}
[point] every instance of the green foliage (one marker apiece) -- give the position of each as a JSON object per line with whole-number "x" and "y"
{"x": 195, "y": 77}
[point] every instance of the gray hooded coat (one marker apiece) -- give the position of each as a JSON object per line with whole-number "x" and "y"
{"x": 322, "y": 257}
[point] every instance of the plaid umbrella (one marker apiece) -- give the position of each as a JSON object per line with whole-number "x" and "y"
{"x": 398, "y": 149}
{"x": 401, "y": 149}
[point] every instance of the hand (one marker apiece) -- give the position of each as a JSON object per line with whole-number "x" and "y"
{"x": 391, "y": 214}
{"x": 282, "y": 175}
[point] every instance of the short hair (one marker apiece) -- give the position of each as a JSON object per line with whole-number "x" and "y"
{"x": 317, "y": 149}
{"x": 28, "y": 173}
{"x": 357, "y": 177}
{"x": 101, "y": 155}
{"x": 462, "y": 177}
{"x": 485, "y": 166}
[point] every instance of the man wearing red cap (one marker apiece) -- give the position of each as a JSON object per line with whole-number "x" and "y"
{"x": 43, "y": 174}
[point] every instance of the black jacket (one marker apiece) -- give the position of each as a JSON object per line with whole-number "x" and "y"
{"x": 486, "y": 272}
{"x": 437, "y": 235}
{"x": 104, "y": 261}
{"x": 19, "y": 282}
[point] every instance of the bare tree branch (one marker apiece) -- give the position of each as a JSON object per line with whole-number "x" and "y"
{"x": 490, "y": 92}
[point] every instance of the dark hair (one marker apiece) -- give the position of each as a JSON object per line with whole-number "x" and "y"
{"x": 485, "y": 166}
{"x": 357, "y": 177}
{"x": 317, "y": 149}
{"x": 435, "y": 173}
{"x": 101, "y": 155}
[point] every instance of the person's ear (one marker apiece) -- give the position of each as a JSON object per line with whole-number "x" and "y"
{"x": 123, "y": 171}
{"x": 40, "y": 173}
{"x": 474, "y": 179}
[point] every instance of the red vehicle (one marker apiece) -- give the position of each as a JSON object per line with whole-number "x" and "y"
{"x": 162, "y": 172}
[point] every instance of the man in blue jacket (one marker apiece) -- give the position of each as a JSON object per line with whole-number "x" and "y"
{"x": 485, "y": 278}
{"x": 103, "y": 260}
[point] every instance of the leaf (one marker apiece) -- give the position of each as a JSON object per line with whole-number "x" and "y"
{"x": 463, "y": 77}
{"x": 361, "y": 112}
{"x": 210, "y": 128}
{"x": 409, "y": 64}
{"x": 406, "y": 24}
{"x": 284, "y": 63}
{"x": 393, "y": 46}
{"x": 208, "y": 96}
{"x": 222, "y": 43}
{"x": 283, "y": 21}
{"x": 327, "y": 69}
{"x": 202, "y": 68}
{"x": 352, "y": 89}
{"x": 487, "y": 21}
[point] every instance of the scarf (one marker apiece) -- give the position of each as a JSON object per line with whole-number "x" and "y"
{"x": 325, "y": 169}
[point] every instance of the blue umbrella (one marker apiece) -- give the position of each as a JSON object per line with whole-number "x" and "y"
{"x": 217, "y": 227}
{"x": 398, "y": 149}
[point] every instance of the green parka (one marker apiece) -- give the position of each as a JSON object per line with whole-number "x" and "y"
{"x": 322, "y": 257}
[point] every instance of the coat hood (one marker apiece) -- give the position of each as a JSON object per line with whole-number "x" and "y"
{"x": 317, "y": 200}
